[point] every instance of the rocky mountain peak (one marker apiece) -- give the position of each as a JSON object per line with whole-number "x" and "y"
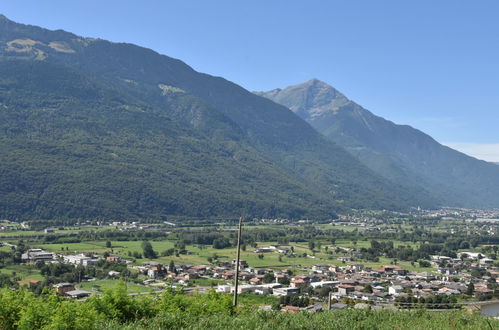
{"x": 311, "y": 99}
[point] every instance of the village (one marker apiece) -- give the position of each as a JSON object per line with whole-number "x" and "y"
{"x": 349, "y": 285}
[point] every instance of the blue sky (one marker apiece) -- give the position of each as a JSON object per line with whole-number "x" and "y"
{"x": 431, "y": 64}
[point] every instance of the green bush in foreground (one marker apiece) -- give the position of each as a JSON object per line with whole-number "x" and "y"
{"x": 20, "y": 309}
{"x": 345, "y": 319}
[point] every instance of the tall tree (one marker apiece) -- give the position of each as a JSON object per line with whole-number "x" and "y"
{"x": 148, "y": 251}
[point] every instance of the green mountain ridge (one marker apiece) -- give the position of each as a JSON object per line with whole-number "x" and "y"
{"x": 397, "y": 152}
{"x": 91, "y": 128}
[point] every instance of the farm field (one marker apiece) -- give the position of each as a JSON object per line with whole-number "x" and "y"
{"x": 199, "y": 254}
{"x": 5, "y": 248}
{"x": 24, "y": 272}
{"x": 102, "y": 285}
{"x": 67, "y": 230}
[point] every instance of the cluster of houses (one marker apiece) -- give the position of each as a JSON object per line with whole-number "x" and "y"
{"x": 350, "y": 280}
{"x": 354, "y": 281}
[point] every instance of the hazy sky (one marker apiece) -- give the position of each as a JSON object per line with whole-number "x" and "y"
{"x": 431, "y": 64}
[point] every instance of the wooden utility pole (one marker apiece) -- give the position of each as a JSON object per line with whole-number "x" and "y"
{"x": 236, "y": 281}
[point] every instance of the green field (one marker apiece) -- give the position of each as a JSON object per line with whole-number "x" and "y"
{"x": 24, "y": 272}
{"x": 103, "y": 285}
{"x": 199, "y": 255}
{"x": 5, "y": 248}
{"x": 66, "y": 230}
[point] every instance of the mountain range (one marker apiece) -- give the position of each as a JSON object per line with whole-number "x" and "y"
{"x": 95, "y": 129}
{"x": 399, "y": 153}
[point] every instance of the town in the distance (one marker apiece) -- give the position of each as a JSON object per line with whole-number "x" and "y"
{"x": 441, "y": 259}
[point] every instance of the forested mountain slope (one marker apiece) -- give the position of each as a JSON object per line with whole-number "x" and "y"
{"x": 91, "y": 128}
{"x": 398, "y": 152}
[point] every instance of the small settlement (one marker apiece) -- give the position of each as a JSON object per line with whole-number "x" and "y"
{"x": 348, "y": 285}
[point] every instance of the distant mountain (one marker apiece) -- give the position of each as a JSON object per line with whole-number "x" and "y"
{"x": 90, "y": 128}
{"x": 397, "y": 152}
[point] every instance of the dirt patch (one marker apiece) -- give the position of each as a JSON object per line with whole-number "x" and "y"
{"x": 61, "y": 47}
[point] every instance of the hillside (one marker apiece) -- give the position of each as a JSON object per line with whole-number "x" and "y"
{"x": 397, "y": 152}
{"x": 95, "y": 129}
{"x": 72, "y": 147}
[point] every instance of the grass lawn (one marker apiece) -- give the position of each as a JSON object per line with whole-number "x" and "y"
{"x": 20, "y": 233}
{"x": 98, "y": 246}
{"x": 22, "y": 271}
{"x": 5, "y": 248}
{"x": 367, "y": 243}
{"x": 270, "y": 259}
{"x": 112, "y": 284}
{"x": 67, "y": 230}
{"x": 340, "y": 227}
{"x": 402, "y": 264}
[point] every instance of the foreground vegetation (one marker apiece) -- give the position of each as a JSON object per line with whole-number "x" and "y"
{"x": 20, "y": 309}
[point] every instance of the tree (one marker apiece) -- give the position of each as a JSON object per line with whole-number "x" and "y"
{"x": 464, "y": 245}
{"x": 268, "y": 278}
{"x": 324, "y": 291}
{"x": 368, "y": 289}
{"x": 148, "y": 251}
{"x": 311, "y": 245}
{"x": 180, "y": 245}
{"x": 171, "y": 266}
{"x": 168, "y": 252}
{"x": 424, "y": 263}
{"x": 108, "y": 244}
{"x": 221, "y": 243}
{"x": 470, "y": 289}
{"x": 137, "y": 255}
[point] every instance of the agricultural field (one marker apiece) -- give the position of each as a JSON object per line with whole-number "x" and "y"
{"x": 199, "y": 254}
{"x": 19, "y": 233}
{"x": 5, "y": 248}
{"x": 103, "y": 285}
{"x": 24, "y": 272}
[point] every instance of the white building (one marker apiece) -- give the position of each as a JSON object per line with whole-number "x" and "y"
{"x": 36, "y": 255}
{"x": 223, "y": 289}
{"x": 286, "y": 291}
{"x": 395, "y": 290}
{"x": 323, "y": 283}
{"x": 79, "y": 260}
